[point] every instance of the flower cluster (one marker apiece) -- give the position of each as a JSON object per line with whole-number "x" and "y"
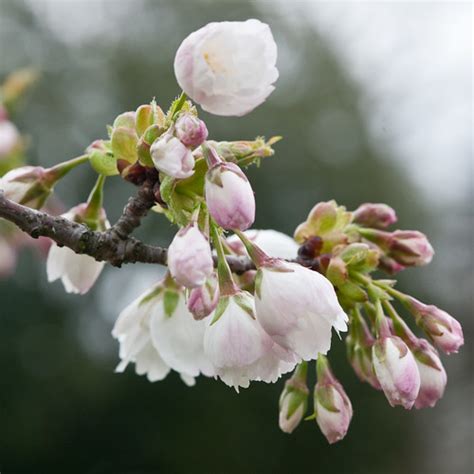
{"x": 278, "y": 314}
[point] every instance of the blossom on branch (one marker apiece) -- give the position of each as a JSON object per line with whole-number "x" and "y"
{"x": 228, "y": 67}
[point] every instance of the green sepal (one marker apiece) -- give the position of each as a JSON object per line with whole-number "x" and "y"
{"x": 324, "y": 395}
{"x": 170, "y": 302}
{"x": 103, "y": 163}
{"x": 221, "y": 307}
{"x": 297, "y": 398}
{"x": 426, "y": 359}
{"x": 214, "y": 176}
{"x": 337, "y": 272}
{"x": 151, "y": 295}
{"x": 180, "y": 205}
{"x": 242, "y": 300}
{"x": 258, "y": 283}
{"x": 195, "y": 183}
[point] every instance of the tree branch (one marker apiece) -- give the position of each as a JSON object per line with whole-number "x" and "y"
{"x": 114, "y": 245}
{"x": 136, "y": 208}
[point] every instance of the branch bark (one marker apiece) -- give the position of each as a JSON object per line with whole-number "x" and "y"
{"x": 114, "y": 245}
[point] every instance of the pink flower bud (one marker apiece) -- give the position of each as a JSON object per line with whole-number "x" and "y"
{"x": 444, "y": 330}
{"x": 190, "y": 258}
{"x": 229, "y": 197}
{"x": 9, "y": 137}
{"x": 332, "y": 406}
{"x": 25, "y": 186}
{"x": 375, "y": 215}
{"x": 294, "y": 400}
{"x": 191, "y": 130}
{"x": 389, "y": 265}
{"x": 411, "y": 247}
{"x": 432, "y": 375}
{"x": 407, "y": 247}
{"x": 203, "y": 300}
{"x": 171, "y": 157}
{"x": 396, "y": 370}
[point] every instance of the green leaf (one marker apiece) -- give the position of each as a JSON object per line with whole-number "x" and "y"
{"x": 258, "y": 283}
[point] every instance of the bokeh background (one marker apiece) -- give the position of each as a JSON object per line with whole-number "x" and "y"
{"x": 374, "y": 102}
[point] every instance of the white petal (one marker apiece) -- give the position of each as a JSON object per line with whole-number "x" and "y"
{"x": 179, "y": 340}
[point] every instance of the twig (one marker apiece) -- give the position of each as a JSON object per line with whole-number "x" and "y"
{"x": 114, "y": 246}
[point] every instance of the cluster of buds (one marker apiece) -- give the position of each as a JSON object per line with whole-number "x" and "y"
{"x": 347, "y": 247}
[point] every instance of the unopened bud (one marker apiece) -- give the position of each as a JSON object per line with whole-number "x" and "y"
{"x": 294, "y": 400}
{"x": 433, "y": 377}
{"x": 376, "y": 215}
{"x": 332, "y": 407}
{"x": 171, "y": 157}
{"x": 389, "y": 265}
{"x": 245, "y": 152}
{"x": 26, "y": 185}
{"x": 443, "y": 329}
{"x": 407, "y": 247}
{"x": 396, "y": 370}
{"x": 203, "y": 300}
{"x": 191, "y": 130}
{"x": 189, "y": 257}
{"x": 230, "y": 197}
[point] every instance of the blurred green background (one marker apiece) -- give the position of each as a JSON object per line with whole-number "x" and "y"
{"x": 350, "y": 134}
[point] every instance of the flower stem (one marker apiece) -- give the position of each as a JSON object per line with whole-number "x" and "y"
{"x": 257, "y": 255}
{"x": 55, "y": 173}
{"x": 95, "y": 201}
{"x": 227, "y": 285}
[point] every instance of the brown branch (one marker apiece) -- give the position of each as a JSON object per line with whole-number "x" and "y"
{"x": 114, "y": 245}
{"x": 136, "y": 208}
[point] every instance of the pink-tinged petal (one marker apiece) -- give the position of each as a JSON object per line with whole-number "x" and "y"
{"x": 228, "y": 67}
{"x": 189, "y": 257}
{"x": 179, "y": 339}
{"x": 396, "y": 370}
{"x": 298, "y": 309}
{"x": 230, "y": 197}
